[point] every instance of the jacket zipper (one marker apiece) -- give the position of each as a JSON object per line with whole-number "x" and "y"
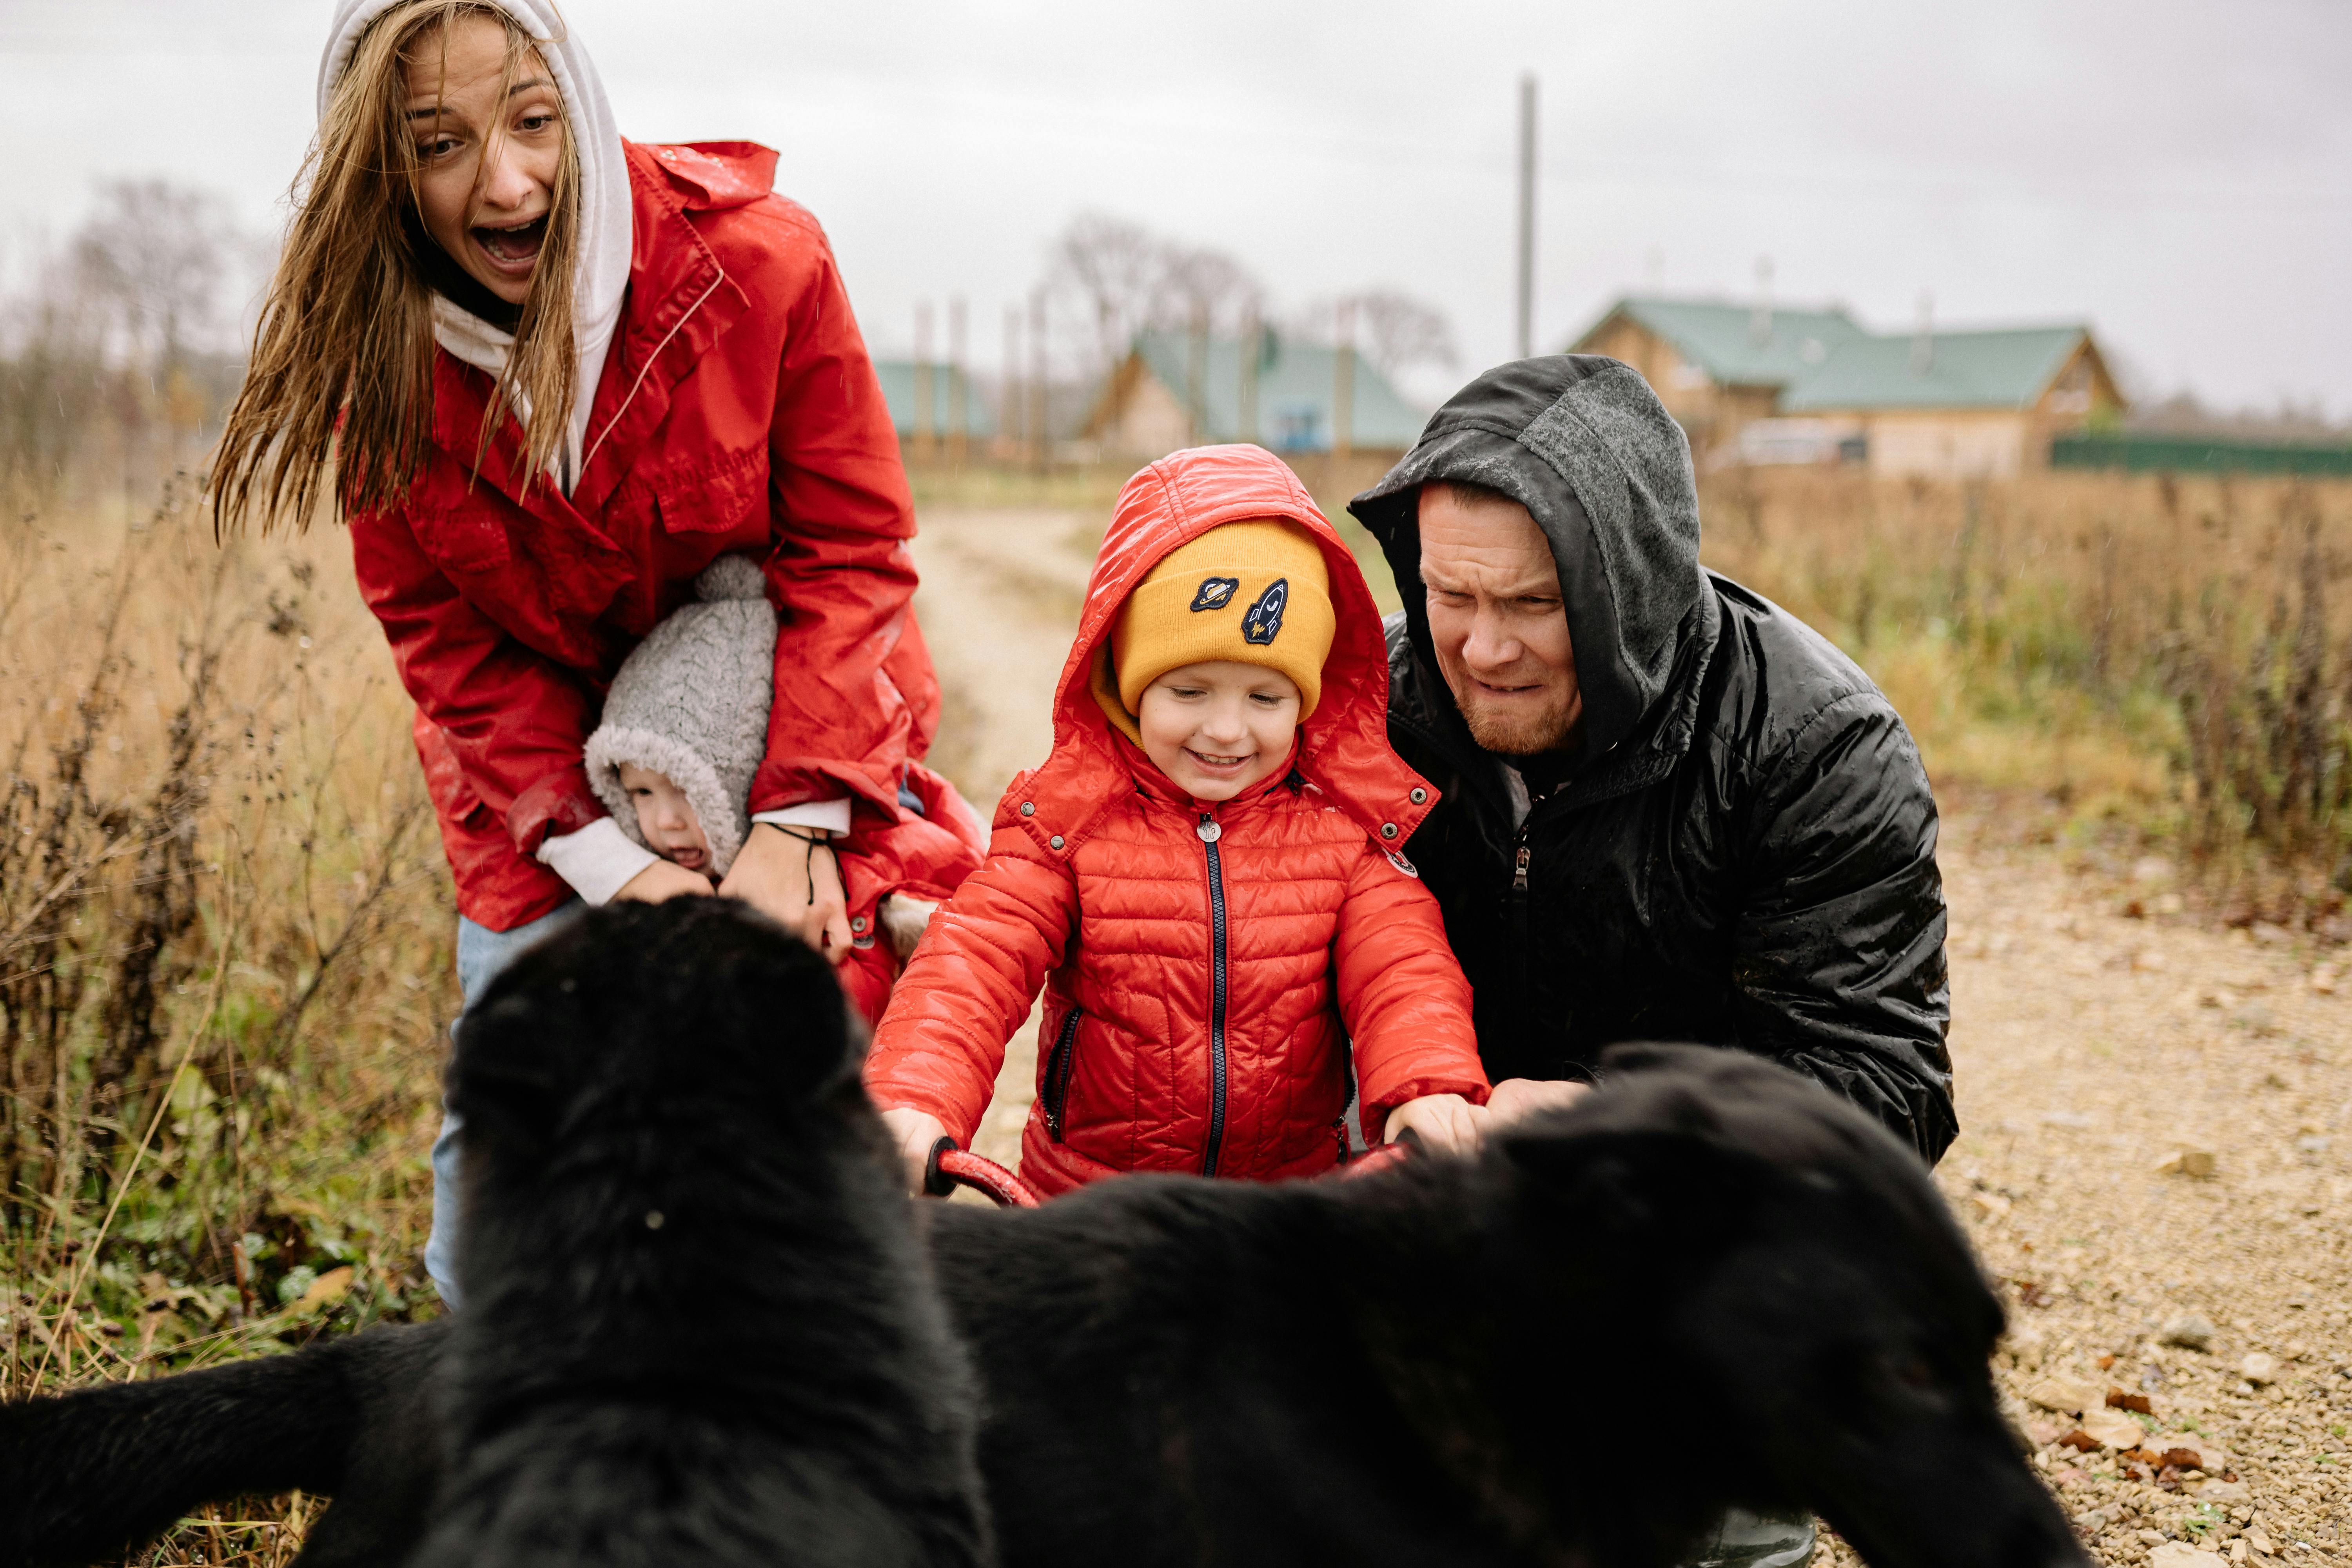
{"x": 1520, "y": 855}
{"x": 1057, "y": 1073}
{"x": 1209, "y": 832}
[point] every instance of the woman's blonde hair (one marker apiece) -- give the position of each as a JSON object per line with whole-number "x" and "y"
{"x": 342, "y": 362}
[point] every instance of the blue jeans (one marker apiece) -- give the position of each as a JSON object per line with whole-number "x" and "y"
{"x": 482, "y": 955}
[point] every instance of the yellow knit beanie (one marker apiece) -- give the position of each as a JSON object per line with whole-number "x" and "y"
{"x": 1255, "y": 593}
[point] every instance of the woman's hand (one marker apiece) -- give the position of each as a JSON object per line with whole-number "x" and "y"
{"x": 661, "y": 882}
{"x": 915, "y": 1133}
{"x": 1517, "y": 1098}
{"x": 774, "y": 873}
{"x": 1445, "y": 1123}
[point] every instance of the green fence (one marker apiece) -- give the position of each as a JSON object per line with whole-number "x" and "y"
{"x": 2195, "y": 454}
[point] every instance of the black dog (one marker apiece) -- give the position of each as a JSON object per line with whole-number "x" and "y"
{"x": 698, "y": 1328}
{"x": 1497, "y": 1361}
{"x": 1484, "y": 1362}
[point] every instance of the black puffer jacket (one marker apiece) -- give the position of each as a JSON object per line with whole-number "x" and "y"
{"x": 1742, "y": 850}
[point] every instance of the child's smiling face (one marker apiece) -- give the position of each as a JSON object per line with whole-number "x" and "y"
{"x": 1217, "y": 728}
{"x": 665, "y": 819}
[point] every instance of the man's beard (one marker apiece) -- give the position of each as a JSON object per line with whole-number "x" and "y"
{"x": 1524, "y": 734}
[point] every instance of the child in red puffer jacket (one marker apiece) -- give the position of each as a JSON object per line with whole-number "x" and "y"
{"x": 1206, "y": 875}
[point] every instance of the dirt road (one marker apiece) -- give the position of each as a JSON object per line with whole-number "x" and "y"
{"x": 2091, "y": 1046}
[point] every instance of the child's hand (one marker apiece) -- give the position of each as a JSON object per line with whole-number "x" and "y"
{"x": 1515, "y": 1099}
{"x": 775, "y": 872}
{"x": 661, "y": 882}
{"x": 915, "y": 1133}
{"x": 1445, "y": 1123}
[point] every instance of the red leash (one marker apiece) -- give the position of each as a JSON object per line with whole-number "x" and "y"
{"x": 951, "y": 1167}
{"x": 1376, "y": 1160}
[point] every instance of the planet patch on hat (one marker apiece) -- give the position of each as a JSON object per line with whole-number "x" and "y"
{"x": 1216, "y": 594}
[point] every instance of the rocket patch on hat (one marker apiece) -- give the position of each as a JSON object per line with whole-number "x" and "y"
{"x": 1216, "y": 594}
{"x": 1265, "y": 618}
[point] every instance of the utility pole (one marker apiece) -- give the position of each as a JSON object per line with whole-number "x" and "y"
{"x": 959, "y": 380}
{"x": 926, "y": 426}
{"x": 1196, "y": 374}
{"x": 1343, "y": 391}
{"x": 1253, "y": 347}
{"x": 1040, "y": 409}
{"x": 1010, "y": 402}
{"x": 1527, "y": 319}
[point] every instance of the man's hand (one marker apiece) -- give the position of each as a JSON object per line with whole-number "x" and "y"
{"x": 773, "y": 874}
{"x": 1517, "y": 1098}
{"x": 1445, "y": 1123}
{"x": 662, "y": 882}
{"x": 915, "y": 1133}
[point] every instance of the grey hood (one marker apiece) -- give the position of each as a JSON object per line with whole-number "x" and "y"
{"x": 1584, "y": 444}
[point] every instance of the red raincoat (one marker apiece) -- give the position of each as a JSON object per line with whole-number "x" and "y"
{"x": 1205, "y": 966}
{"x": 737, "y": 411}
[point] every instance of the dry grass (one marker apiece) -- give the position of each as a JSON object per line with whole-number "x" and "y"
{"x": 225, "y": 923}
{"x": 225, "y": 933}
{"x": 2166, "y": 658}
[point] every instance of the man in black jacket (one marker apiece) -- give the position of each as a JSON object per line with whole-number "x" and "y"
{"x": 1671, "y": 811}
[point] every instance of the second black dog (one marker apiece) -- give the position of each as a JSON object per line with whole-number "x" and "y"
{"x": 1497, "y": 1361}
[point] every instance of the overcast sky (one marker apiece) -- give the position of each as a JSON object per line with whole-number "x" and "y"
{"x": 2178, "y": 175}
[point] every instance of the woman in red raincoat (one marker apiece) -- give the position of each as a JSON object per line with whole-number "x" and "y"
{"x": 557, "y": 374}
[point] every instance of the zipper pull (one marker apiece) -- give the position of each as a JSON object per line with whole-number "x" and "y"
{"x": 1519, "y": 870}
{"x": 1209, "y": 829}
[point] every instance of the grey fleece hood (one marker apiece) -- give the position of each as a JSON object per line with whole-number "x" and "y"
{"x": 1584, "y": 444}
{"x": 691, "y": 703}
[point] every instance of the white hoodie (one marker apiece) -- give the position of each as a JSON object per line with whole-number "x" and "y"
{"x": 601, "y": 271}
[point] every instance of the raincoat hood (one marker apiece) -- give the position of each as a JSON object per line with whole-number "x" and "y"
{"x": 1343, "y": 748}
{"x": 600, "y": 269}
{"x": 1585, "y": 446}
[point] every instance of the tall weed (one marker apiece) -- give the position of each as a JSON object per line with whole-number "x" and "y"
{"x": 225, "y": 933}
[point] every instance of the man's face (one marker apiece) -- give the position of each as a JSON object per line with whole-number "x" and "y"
{"x": 1498, "y": 621}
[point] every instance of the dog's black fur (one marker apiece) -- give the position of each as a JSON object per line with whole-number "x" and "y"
{"x": 698, "y": 1327}
{"x": 1497, "y": 1360}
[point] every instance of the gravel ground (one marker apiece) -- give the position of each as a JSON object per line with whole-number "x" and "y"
{"x": 2096, "y": 1038}
{"x": 2100, "y": 1035}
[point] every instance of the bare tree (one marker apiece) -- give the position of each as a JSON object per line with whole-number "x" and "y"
{"x": 157, "y": 255}
{"x": 1207, "y": 289}
{"x": 1123, "y": 279}
{"x": 1396, "y": 332}
{"x": 1118, "y": 270}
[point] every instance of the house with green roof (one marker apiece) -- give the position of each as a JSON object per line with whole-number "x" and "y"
{"x": 1179, "y": 389}
{"x": 933, "y": 406}
{"x": 1758, "y": 383}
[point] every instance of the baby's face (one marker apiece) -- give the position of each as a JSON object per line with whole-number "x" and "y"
{"x": 1217, "y": 728}
{"x": 666, "y": 821}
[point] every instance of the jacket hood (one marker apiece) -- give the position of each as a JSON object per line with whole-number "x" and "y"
{"x": 601, "y": 271}
{"x": 1585, "y": 446}
{"x": 1343, "y": 749}
{"x": 691, "y": 703}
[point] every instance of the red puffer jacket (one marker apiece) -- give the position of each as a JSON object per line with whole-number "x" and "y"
{"x": 737, "y": 411}
{"x": 1205, "y": 966}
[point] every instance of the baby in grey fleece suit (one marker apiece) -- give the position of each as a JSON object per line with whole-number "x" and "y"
{"x": 686, "y": 720}
{"x": 684, "y": 726}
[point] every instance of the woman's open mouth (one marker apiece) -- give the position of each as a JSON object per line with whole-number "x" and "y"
{"x": 512, "y": 248}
